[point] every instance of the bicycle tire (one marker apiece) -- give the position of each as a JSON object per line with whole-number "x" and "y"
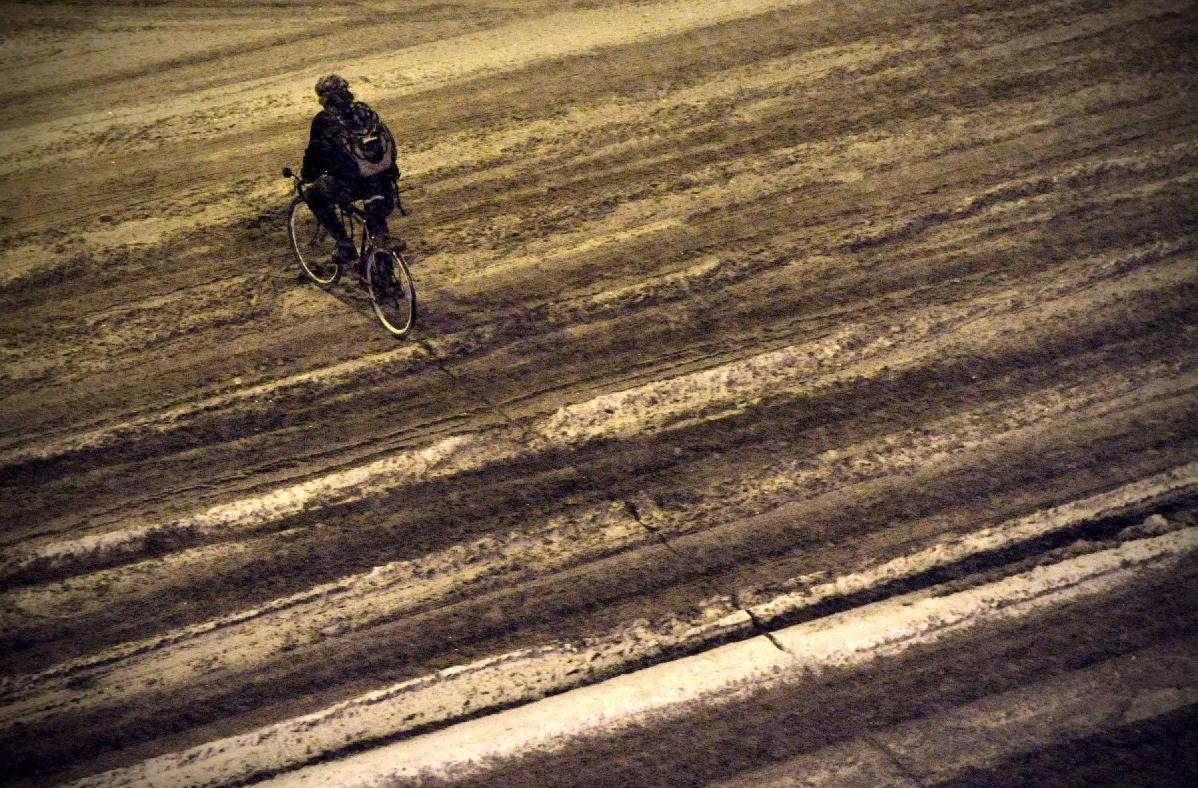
{"x": 392, "y": 291}
{"x": 312, "y": 244}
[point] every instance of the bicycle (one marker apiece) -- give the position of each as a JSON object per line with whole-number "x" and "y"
{"x": 382, "y": 271}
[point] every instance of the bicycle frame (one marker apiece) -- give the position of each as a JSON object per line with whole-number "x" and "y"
{"x": 344, "y": 209}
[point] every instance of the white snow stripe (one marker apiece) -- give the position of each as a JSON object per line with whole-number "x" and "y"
{"x": 456, "y": 454}
{"x": 182, "y": 656}
{"x": 165, "y": 420}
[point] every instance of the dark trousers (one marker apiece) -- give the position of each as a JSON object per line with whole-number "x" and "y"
{"x": 326, "y": 193}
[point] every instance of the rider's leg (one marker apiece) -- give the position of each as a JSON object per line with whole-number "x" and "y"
{"x": 379, "y": 206}
{"x": 324, "y": 195}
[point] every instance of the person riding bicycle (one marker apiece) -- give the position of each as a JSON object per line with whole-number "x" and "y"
{"x": 350, "y": 156}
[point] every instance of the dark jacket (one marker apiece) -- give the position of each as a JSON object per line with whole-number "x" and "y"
{"x": 326, "y": 152}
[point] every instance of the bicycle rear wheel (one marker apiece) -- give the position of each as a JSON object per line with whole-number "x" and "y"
{"x": 312, "y": 244}
{"x": 392, "y": 291}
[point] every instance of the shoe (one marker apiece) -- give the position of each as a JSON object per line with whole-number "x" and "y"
{"x": 344, "y": 253}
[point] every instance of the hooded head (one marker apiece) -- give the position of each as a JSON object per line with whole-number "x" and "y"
{"x": 333, "y": 92}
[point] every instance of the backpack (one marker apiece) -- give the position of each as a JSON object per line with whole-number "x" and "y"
{"x": 367, "y": 140}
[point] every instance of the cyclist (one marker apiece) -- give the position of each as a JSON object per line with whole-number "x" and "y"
{"x": 350, "y": 156}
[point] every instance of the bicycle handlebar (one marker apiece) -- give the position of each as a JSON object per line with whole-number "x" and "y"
{"x": 299, "y": 187}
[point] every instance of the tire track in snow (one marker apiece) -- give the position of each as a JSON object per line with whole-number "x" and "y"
{"x": 848, "y": 352}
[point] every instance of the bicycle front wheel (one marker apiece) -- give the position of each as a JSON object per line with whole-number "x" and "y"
{"x": 392, "y": 291}
{"x": 312, "y": 244}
